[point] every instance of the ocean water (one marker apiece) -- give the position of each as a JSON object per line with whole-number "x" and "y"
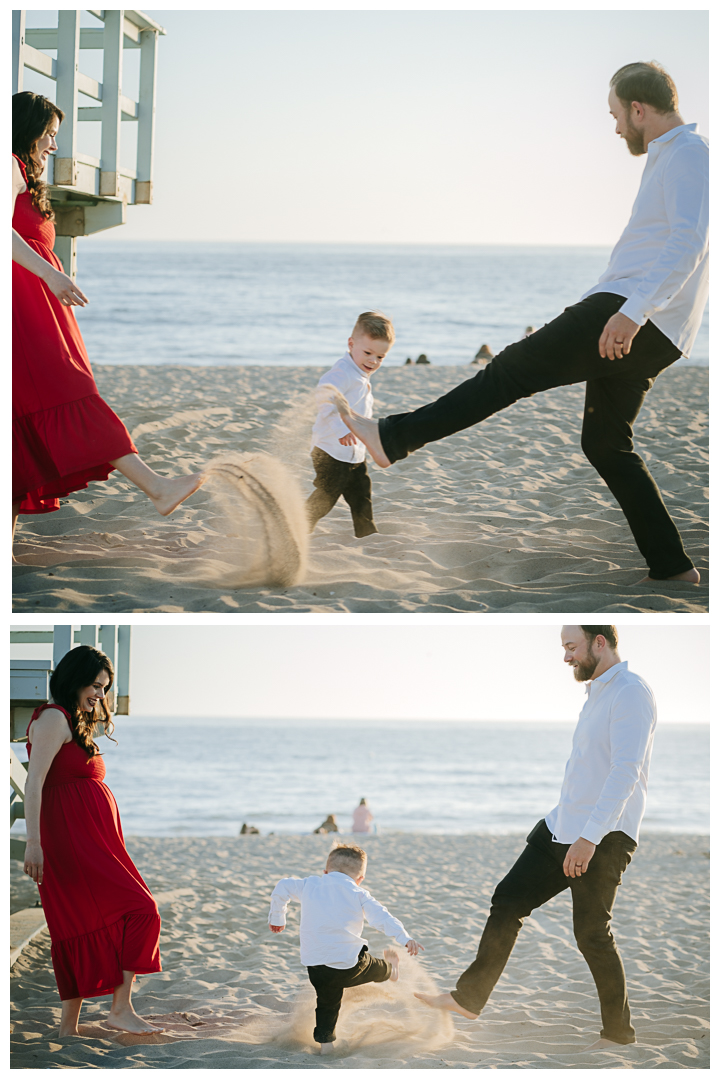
{"x": 206, "y": 777}
{"x": 285, "y": 304}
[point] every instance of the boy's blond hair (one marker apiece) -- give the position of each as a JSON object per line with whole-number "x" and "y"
{"x": 375, "y": 325}
{"x": 348, "y": 859}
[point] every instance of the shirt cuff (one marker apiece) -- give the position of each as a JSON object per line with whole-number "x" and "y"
{"x": 633, "y": 309}
{"x": 593, "y": 833}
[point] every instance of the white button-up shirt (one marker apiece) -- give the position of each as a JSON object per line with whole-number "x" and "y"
{"x": 332, "y": 912}
{"x": 660, "y": 263}
{"x": 329, "y": 428}
{"x": 606, "y": 777}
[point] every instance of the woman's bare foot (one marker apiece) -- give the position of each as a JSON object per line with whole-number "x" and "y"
{"x": 128, "y": 1020}
{"x": 691, "y": 576}
{"x": 394, "y": 961}
{"x": 173, "y": 490}
{"x": 368, "y": 432}
{"x": 446, "y": 1002}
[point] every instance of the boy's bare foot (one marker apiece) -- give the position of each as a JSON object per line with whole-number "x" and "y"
{"x": 128, "y": 1020}
{"x": 691, "y": 576}
{"x": 602, "y": 1044}
{"x": 446, "y": 1002}
{"x": 64, "y": 1033}
{"x": 394, "y": 961}
{"x": 174, "y": 490}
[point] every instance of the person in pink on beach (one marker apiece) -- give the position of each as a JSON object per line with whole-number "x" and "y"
{"x": 362, "y": 817}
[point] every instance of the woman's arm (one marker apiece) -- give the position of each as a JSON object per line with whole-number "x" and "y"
{"x": 59, "y": 284}
{"x": 49, "y": 732}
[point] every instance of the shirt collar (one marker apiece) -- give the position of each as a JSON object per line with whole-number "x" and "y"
{"x": 607, "y": 675}
{"x": 347, "y": 358}
{"x": 672, "y": 133}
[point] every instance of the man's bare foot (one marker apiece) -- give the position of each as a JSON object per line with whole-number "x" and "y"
{"x": 174, "y": 490}
{"x": 602, "y": 1044}
{"x": 394, "y": 961}
{"x": 691, "y": 576}
{"x": 128, "y": 1020}
{"x": 446, "y": 1002}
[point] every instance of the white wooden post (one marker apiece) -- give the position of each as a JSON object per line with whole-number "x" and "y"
{"x": 18, "y": 32}
{"x": 65, "y": 247}
{"x": 111, "y": 103}
{"x": 146, "y": 116}
{"x": 68, "y": 66}
{"x": 123, "y": 670}
{"x": 109, "y": 645}
{"x": 62, "y": 642}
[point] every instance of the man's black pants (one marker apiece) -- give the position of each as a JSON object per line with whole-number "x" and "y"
{"x": 535, "y": 878}
{"x": 335, "y": 478}
{"x": 329, "y": 984}
{"x": 562, "y": 352}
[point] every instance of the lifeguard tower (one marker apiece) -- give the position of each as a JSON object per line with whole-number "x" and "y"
{"x": 30, "y": 687}
{"x": 90, "y": 194}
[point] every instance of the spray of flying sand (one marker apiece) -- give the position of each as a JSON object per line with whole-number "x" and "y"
{"x": 260, "y": 521}
{"x": 384, "y": 1018}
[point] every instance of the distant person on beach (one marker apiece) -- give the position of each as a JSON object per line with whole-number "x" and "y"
{"x": 650, "y": 299}
{"x": 362, "y": 817}
{"x": 333, "y": 910}
{"x": 586, "y": 842}
{"x": 338, "y": 457}
{"x": 64, "y": 435}
{"x": 104, "y": 924}
{"x": 328, "y": 825}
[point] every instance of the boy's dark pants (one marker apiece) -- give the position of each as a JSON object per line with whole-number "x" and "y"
{"x": 562, "y": 352}
{"x": 335, "y": 478}
{"x": 329, "y": 984}
{"x": 535, "y": 878}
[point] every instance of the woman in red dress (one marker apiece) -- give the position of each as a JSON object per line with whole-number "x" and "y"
{"x": 104, "y": 924}
{"x": 64, "y": 435}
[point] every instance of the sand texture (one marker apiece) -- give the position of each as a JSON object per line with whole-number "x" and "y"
{"x": 507, "y": 516}
{"x": 232, "y": 995}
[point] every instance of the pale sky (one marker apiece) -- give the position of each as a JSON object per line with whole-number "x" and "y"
{"x": 398, "y": 672}
{"x": 482, "y": 127}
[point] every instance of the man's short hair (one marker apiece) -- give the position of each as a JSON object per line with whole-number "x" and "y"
{"x": 608, "y": 632}
{"x": 647, "y": 83}
{"x": 375, "y": 325}
{"x": 348, "y": 859}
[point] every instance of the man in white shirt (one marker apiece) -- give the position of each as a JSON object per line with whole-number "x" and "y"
{"x": 649, "y": 300}
{"x": 333, "y": 910}
{"x": 586, "y": 842}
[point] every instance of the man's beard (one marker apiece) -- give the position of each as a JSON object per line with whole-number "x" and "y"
{"x": 586, "y": 668}
{"x": 634, "y": 139}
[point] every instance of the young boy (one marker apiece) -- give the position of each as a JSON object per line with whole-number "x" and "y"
{"x": 333, "y": 909}
{"x": 338, "y": 457}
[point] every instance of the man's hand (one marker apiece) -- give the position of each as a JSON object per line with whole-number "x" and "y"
{"x": 616, "y": 338}
{"x": 414, "y": 947}
{"x": 348, "y": 440}
{"x": 578, "y": 857}
{"x": 277, "y": 929}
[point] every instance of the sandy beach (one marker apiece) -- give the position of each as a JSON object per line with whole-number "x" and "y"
{"x": 504, "y": 517}
{"x": 234, "y": 996}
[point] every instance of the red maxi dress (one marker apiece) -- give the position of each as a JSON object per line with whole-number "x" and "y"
{"x": 64, "y": 435}
{"x": 100, "y": 913}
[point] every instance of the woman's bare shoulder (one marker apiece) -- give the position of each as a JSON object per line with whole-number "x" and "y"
{"x": 51, "y": 721}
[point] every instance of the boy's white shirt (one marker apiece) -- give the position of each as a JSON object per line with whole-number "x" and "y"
{"x": 328, "y": 428}
{"x": 332, "y": 911}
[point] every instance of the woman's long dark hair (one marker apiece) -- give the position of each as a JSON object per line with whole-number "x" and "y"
{"x": 77, "y": 670}
{"x": 32, "y": 116}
